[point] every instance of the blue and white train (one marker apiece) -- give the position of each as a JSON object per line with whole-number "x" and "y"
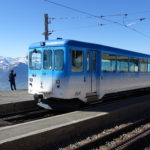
{"x": 69, "y": 69}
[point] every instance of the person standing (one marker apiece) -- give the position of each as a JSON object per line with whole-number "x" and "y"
{"x": 12, "y": 76}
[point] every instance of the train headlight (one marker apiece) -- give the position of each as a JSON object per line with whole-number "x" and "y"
{"x": 42, "y": 43}
{"x": 57, "y": 81}
{"x": 30, "y": 84}
{"x": 31, "y": 79}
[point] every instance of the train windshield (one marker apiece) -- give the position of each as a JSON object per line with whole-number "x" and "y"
{"x": 52, "y": 59}
{"x": 35, "y": 59}
{"x": 58, "y": 56}
{"x": 47, "y": 60}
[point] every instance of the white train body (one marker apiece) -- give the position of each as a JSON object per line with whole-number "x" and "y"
{"x": 67, "y": 69}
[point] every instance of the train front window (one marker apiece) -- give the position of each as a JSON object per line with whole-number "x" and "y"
{"x": 47, "y": 60}
{"x": 58, "y": 59}
{"x": 35, "y": 60}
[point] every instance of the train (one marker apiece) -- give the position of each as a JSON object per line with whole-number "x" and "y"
{"x": 69, "y": 70}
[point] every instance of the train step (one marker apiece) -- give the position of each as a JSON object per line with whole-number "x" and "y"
{"x": 92, "y": 98}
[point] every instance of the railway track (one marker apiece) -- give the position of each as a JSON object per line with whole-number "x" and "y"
{"x": 34, "y": 114}
{"x": 134, "y": 142}
{"x": 124, "y": 138}
{"x": 25, "y": 116}
{"x": 78, "y": 126}
{"x": 37, "y": 113}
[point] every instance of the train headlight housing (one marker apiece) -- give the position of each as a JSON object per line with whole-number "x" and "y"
{"x": 58, "y": 83}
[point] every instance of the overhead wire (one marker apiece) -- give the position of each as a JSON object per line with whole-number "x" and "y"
{"x": 126, "y": 14}
{"x": 102, "y": 17}
{"x": 136, "y": 21}
{"x": 139, "y": 32}
{"x": 68, "y": 18}
{"x": 83, "y": 12}
{"x": 73, "y": 9}
{"x": 80, "y": 27}
{"x": 130, "y": 22}
{"x": 86, "y": 17}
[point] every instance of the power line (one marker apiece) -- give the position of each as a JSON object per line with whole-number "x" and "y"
{"x": 138, "y": 19}
{"x": 81, "y": 27}
{"x": 126, "y": 14}
{"x": 140, "y": 12}
{"x": 73, "y": 9}
{"x": 100, "y": 17}
{"x": 139, "y": 32}
{"x": 133, "y": 22}
{"x": 68, "y": 18}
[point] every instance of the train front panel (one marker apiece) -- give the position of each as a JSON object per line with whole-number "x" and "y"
{"x": 47, "y": 71}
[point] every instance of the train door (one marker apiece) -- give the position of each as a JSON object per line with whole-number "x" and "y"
{"x": 47, "y": 71}
{"x": 91, "y": 73}
{"x": 53, "y": 66}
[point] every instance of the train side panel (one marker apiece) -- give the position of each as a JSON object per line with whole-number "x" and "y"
{"x": 128, "y": 78}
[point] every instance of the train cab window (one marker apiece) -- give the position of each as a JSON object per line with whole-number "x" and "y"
{"x": 134, "y": 65}
{"x": 35, "y": 60}
{"x": 122, "y": 63}
{"x": 143, "y": 65}
{"x": 108, "y": 63}
{"x": 58, "y": 59}
{"x": 148, "y": 66}
{"x": 47, "y": 59}
{"x": 77, "y": 61}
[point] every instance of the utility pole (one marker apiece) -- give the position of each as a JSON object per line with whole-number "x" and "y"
{"x": 46, "y": 33}
{"x": 46, "y": 22}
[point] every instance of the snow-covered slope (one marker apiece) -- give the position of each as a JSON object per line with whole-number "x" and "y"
{"x": 6, "y": 63}
{"x": 19, "y": 65}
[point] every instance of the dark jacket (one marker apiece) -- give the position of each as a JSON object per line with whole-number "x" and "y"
{"x": 12, "y": 77}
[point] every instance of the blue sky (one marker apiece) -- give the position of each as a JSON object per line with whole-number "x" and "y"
{"x": 22, "y": 23}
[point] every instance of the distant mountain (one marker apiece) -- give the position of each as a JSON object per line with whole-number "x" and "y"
{"x": 19, "y": 65}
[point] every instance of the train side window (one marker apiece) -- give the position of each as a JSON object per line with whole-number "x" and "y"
{"x": 143, "y": 65}
{"x": 134, "y": 65}
{"x": 148, "y": 65}
{"x": 94, "y": 61}
{"x": 88, "y": 62}
{"x": 122, "y": 64}
{"x": 77, "y": 61}
{"x": 108, "y": 63}
{"x": 47, "y": 59}
{"x": 58, "y": 59}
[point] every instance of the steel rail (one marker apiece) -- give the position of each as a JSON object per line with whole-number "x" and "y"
{"x": 132, "y": 142}
{"x": 109, "y": 137}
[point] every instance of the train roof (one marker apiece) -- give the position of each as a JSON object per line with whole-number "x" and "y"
{"x": 67, "y": 42}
